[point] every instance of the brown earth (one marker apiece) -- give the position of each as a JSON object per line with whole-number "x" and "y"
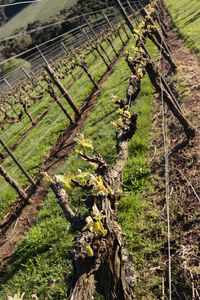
{"x": 184, "y": 176}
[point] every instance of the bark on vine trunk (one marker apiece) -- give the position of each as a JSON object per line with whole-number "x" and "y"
{"x": 155, "y": 80}
{"x": 84, "y": 67}
{"x": 62, "y": 89}
{"x": 109, "y": 269}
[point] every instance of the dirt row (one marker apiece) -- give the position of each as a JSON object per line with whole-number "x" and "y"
{"x": 184, "y": 178}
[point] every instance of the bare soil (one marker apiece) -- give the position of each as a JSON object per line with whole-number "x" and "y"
{"x": 184, "y": 176}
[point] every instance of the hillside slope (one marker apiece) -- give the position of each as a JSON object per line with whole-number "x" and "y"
{"x": 35, "y": 11}
{"x": 31, "y": 19}
{"x": 42, "y": 262}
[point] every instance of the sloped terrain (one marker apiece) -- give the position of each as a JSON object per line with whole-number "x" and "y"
{"x": 42, "y": 261}
{"x": 35, "y": 11}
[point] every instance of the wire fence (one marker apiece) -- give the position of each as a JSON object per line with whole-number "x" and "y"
{"x": 51, "y": 52}
{"x": 52, "y": 49}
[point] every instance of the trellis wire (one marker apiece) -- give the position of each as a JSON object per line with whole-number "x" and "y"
{"x": 164, "y": 130}
{"x": 38, "y": 64}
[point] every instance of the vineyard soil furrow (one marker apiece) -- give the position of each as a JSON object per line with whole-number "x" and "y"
{"x": 184, "y": 165}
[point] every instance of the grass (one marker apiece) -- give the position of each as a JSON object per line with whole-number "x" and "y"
{"x": 180, "y": 84}
{"x": 186, "y": 18}
{"x": 12, "y": 132}
{"x": 42, "y": 262}
{"x": 40, "y": 139}
{"x": 34, "y": 12}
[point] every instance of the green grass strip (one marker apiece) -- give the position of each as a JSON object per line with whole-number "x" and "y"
{"x": 186, "y": 18}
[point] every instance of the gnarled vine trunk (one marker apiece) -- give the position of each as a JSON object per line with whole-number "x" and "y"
{"x": 109, "y": 268}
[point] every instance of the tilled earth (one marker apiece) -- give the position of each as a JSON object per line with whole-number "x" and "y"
{"x": 184, "y": 176}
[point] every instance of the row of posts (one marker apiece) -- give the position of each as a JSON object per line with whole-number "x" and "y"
{"x": 63, "y": 91}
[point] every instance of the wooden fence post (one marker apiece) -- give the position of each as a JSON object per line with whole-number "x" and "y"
{"x": 7, "y": 83}
{"x": 64, "y": 92}
{"x": 133, "y": 11}
{"x": 95, "y": 36}
{"x": 27, "y": 75}
{"x": 125, "y": 15}
{"x": 103, "y": 58}
{"x": 111, "y": 26}
{"x": 67, "y": 53}
{"x": 13, "y": 183}
{"x": 84, "y": 67}
{"x": 108, "y": 21}
{"x": 58, "y": 83}
{"x": 111, "y": 44}
{"x": 17, "y": 162}
{"x": 88, "y": 38}
{"x": 85, "y": 33}
{"x": 65, "y": 48}
{"x": 53, "y": 94}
